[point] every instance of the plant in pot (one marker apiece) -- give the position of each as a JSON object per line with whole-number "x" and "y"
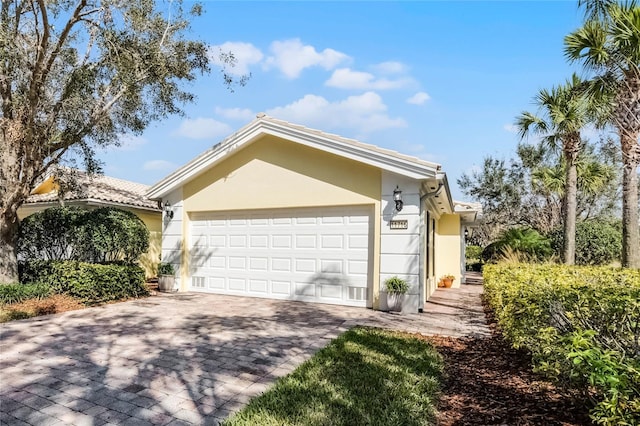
{"x": 166, "y": 277}
{"x": 446, "y": 281}
{"x": 396, "y": 289}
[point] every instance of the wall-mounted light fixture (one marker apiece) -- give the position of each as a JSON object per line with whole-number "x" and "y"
{"x": 397, "y": 197}
{"x": 466, "y": 232}
{"x": 167, "y": 209}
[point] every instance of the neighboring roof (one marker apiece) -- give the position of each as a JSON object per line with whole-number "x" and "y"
{"x": 98, "y": 189}
{"x": 470, "y": 212}
{"x": 264, "y": 125}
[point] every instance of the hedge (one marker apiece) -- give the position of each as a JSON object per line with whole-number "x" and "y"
{"x": 91, "y": 283}
{"x": 581, "y": 326}
{"x": 102, "y": 235}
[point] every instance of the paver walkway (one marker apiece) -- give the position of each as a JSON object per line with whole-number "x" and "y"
{"x": 183, "y": 358}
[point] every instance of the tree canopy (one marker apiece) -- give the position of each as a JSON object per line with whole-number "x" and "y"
{"x": 78, "y": 74}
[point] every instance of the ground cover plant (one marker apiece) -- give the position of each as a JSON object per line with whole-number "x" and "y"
{"x": 580, "y": 325}
{"x": 365, "y": 376}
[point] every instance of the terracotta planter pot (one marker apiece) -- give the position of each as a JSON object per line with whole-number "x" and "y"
{"x": 447, "y": 282}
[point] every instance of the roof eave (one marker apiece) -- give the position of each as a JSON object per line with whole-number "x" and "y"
{"x": 259, "y": 127}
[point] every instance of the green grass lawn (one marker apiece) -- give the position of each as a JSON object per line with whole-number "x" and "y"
{"x": 366, "y": 376}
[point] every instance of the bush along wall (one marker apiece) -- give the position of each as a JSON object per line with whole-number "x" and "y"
{"x": 581, "y": 326}
{"x": 91, "y": 283}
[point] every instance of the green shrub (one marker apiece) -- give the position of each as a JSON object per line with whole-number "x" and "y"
{"x": 91, "y": 283}
{"x": 15, "y": 293}
{"x": 473, "y": 258}
{"x": 396, "y": 285}
{"x": 69, "y": 233}
{"x": 520, "y": 241}
{"x": 165, "y": 269}
{"x": 581, "y": 325}
{"x": 115, "y": 234}
{"x": 55, "y": 233}
{"x": 598, "y": 242}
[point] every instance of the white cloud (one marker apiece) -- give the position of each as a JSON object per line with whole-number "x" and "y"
{"x": 244, "y": 114}
{"x": 391, "y": 67}
{"x": 159, "y": 165}
{"x": 419, "y": 98}
{"x": 346, "y": 78}
{"x": 364, "y": 113}
{"x": 511, "y": 128}
{"x": 245, "y": 55}
{"x": 291, "y": 57}
{"x": 202, "y": 128}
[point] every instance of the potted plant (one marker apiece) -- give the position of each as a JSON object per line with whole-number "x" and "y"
{"x": 166, "y": 277}
{"x": 446, "y": 281}
{"x": 396, "y": 289}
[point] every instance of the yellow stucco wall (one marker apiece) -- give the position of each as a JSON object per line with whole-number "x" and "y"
{"x": 447, "y": 247}
{"x": 149, "y": 260}
{"x": 276, "y": 173}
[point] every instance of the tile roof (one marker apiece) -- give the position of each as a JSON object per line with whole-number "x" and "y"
{"x": 354, "y": 142}
{"x": 101, "y": 188}
{"x": 264, "y": 124}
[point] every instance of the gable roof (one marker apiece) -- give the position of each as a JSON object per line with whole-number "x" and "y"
{"x": 264, "y": 125}
{"x": 96, "y": 189}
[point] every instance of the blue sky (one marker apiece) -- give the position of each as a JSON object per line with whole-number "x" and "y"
{"x": 442, "y": 81}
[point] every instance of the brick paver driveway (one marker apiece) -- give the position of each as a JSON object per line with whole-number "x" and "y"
{"x": 179, "y": 359}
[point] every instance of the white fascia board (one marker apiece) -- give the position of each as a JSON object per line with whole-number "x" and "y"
{"x": 374, "y": 158}
{"x": 259, "y": 127}
{"x": 203, "y": 161}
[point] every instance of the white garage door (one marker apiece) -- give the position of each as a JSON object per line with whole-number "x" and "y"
{"x": 317, "y": 255}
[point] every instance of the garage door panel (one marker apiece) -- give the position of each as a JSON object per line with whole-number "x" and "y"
{"x": 316, "y": 255}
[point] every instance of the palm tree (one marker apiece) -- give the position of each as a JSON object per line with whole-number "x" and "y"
{"x": 609, "y": 45}
{"x": 564, "y": 113}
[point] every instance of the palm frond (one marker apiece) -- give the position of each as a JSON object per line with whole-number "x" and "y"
{"x": 588, "y": 44}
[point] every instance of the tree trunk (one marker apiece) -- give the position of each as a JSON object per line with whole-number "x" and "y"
{"x": 17, "y": 174}
{"x": 630, "y": 226}
{"x": 569, "y": 214}
{"x": 8, "y": 259}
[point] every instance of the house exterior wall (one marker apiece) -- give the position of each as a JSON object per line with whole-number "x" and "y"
{"x": 174, "y": 238}
{"x": 400, "y": 248}
{"x": 447, "y": 246}
{"x": 275, "y": 173}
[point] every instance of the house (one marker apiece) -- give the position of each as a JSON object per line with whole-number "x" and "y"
{"x": 93, "y": 191}
{"x": 282, "y": 211}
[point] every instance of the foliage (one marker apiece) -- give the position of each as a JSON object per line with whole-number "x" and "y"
{"x": 113, "y": 234}
{"x": 581, "y": 326}
{"x": 526, "y": 241}
{"x": 607, "y": 46}
{"x": 90, "y": 283}
{"x": 473, "y": 258}
{"x": 366, "y": 376}
{"x": 54, "y": 233}
{"x": 15, "y": 293}
{"x": 396, "y": 285}
{"x": 598, "y": 242}
{"x": 76, "y": 76}
{"x": 165, "y": 269}
{"x": 527, "y": 190}
{"x": 103, "y": 235}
